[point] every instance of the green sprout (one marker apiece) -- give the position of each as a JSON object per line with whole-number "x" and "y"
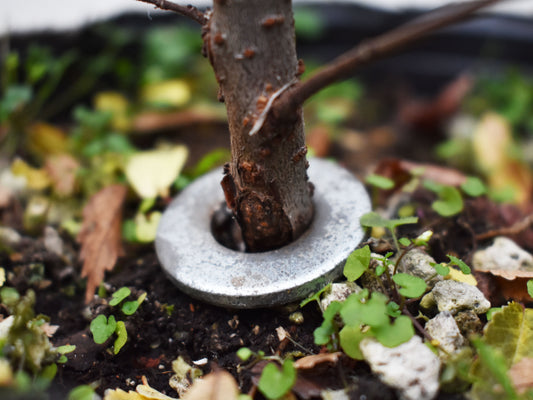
{"x": 374, "y": 220}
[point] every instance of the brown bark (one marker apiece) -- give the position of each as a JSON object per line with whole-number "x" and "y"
{"x": 251, "y": 46}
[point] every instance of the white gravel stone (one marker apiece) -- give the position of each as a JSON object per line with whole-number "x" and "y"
{"x": 417, "y": 262}
{"x": 334, "y": 395}
{"x": 456, "y": 296}
{"x": 411, "y": 368}
{"x": 9, "y": 236}
{"x": 444, "y": 329}
{"x": 52, "y": 241}
{"x": 504, "y": 254}
{"x": 339, "y": 292}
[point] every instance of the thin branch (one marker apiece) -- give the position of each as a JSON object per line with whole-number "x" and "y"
{"x": 187, "y": 11}
{"x": 369, "y": 50}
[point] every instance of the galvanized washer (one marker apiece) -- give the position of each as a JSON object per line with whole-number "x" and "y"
{"x": 210, "y": 272}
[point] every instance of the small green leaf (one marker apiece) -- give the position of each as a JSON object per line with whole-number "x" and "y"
{"x": 530, "y": 287}
{"x": 244, "y": 353}
{"x": 68, "y": 348}
{"x": 410, "y": 286}
{"x": 323, "y": 333}
{"x": 441, "y": 269}
{"x": 404, "y": 241}
{"x": 465, "y": 269}
{"x": 393, "y": 309}
{"x": 82, "y": 392}
{"x": 350, "y": 337}
{"x": 380, "y": 269}
{"x": 423, "y": 239}
{"x": 102, "y": 328}
{"x": 315, "y": 296}
{"x": 474, "y": 187}
{"x": 122, "y": 336}
{"x": 379, "y": 181}
{"x": 357, "y": 263}
{"x": 274, "y": 383}
{"x": 374, "y": 220}
{"x": 374, "y": 310}
{"x": 130, "y": 307}
{"x": 395, "y": 334}
{"x": 119, "y": 295}
{"x": 450, "y": 201}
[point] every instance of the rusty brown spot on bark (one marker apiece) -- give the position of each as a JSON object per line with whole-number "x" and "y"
{"x": 266, "y": 225}
{"x": 302, "y": 151}
{"x": 251, "y": 173}
{"x": 265, "y": 151}
{"x": 273, "y": 20}
{"x": 219, "y": 39}
{"x": 301, "y": 67}
{"x": 249, "y": 53}
{"x": 228, "y": 186}
{"x": 245, "y": 121}
{"x": 269, "y": 88}
{"x": 261, "y": 103}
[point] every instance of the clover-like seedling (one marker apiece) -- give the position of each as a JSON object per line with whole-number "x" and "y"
{"x": 380, "y": 182}
{"x": 102, "y": 328}
{"x": 275, "y": 383}
{"x": 68, "y": 348}
{"x": 449, "y": 202}
{"x": 357, "y": 263}
{"x": 530, "y": 288}
{"x": 410, "y": 286}
{"x": 474, "y": 187}
{"x": 465, "y": 269}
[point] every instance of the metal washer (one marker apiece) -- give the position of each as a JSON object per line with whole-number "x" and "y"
{"x": 208, "y": 271}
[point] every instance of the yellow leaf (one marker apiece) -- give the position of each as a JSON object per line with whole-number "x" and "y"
{"x": 119, "y": 394}
{"x": 146, "y": 227}
{"x": 117, "y": 105}
{"x": 218, "y": 385}
{"x": 150, "y": 393}
{"x": 151, "y": 173}
{"x": 45, "y": 139}
{"x": 173, "y": 92}
{"x": 458, "y": 276}
{"x": 492, "y": 144}
{"x": 36, "y": 179}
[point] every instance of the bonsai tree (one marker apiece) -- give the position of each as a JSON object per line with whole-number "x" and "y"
{"x": 251, "y": 47}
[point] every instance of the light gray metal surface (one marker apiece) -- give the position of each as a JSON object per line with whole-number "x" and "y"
{"x": 210, "y": 272}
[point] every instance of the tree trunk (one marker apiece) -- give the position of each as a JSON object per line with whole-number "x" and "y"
{"x": 251, "y": 46}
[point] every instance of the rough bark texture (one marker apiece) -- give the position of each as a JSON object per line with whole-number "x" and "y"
{"x": 251, "y": 46}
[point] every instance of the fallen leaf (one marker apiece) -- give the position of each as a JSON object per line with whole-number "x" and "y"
{"x": 493, "y": 146}
{"x": 218, "y": 385}
{"x": 310, "y": 362}
{"x": 62, "y": 171}
{"x": 511, "y": 285}
{"x": 45, "y": 139}
{"x": 151, "y": 173}
{"x": 36, "y": 179}
{"x": 429, "y": 115}
{"x": 100, "y": 235}
{"x": 116, "y": 104}
{"x": 149, "y": 393}
{"x": 521, "y": 375}
{"x": 119, "y": 394}
{"x": 173, "y": 92}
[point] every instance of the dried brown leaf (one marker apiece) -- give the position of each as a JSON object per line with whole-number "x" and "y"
{"x": 100, "y": 235}
{"x": 218, "y": 385}
{"x": 62, "y": 172}
{"x": 310, "y": 362}
{"x": 511, "y": 285}
{"x": 521, "y": 375}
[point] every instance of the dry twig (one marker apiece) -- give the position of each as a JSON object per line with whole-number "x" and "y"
{"x": 187, "y": 11}
{"x": 343, "y": 66}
